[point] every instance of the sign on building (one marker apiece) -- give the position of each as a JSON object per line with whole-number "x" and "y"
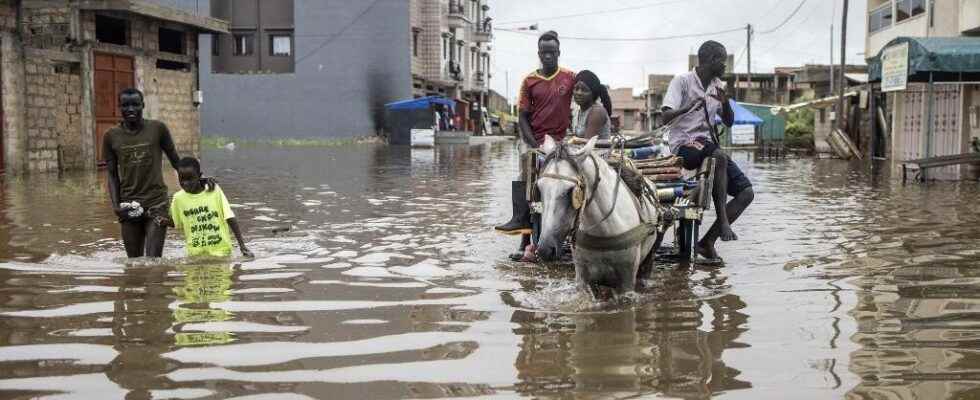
{"x": 743, "y": 134}
{"x": 895, "y": 68}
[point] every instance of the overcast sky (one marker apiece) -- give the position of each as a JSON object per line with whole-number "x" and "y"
{"x": 805, "y": 38}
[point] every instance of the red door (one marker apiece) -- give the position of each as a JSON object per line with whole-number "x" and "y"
{"x": 113, "y": 73}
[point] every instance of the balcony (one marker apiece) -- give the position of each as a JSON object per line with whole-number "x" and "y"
{"x": 479, "y": 80}
{"x": 457, "y": 14}
{"x": 970, "y": 16}
{"x": 481, "y": 35}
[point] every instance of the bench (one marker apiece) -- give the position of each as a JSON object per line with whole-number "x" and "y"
{"x": 934, "y": 162}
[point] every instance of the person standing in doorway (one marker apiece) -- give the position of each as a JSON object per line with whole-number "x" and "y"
{"x": 134, "y": 161}
{"x": 545, "y": 104}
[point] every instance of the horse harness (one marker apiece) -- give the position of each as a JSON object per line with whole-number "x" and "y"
{"x": 581, "y": 200}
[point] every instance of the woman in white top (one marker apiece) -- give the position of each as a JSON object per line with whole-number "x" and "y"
{"x": 593, "y": 117}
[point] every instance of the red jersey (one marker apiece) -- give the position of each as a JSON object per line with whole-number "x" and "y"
{"x": 549, "y": 100}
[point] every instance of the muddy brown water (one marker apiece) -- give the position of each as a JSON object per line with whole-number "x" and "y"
{"x": 390, "y": 284}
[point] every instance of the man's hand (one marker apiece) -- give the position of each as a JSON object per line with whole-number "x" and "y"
{"x": 210, "y": 183}
{"x": 720, "y": 95}
{"x": 122, "y": 213}
{"x": 247, "y": 253}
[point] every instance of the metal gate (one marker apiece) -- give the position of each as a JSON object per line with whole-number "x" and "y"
{"x": 944, "y": 138}
{"x": 113, "y": 73}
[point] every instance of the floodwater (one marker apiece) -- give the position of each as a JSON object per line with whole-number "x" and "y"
{"x": 379, "y": 277}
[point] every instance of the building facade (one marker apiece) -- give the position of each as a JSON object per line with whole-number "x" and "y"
{"x": 64, "y": 63}
{"x": 304, "y": 68}
{"x": 451, "y": 54}
{"x": 629, "y": 112}
{"x": 934, "y": 114}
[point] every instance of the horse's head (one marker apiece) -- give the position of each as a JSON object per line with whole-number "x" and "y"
{"x": 563, "y": 188}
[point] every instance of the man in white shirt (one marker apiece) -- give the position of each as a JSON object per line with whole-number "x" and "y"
{"x": 693, "y": 102}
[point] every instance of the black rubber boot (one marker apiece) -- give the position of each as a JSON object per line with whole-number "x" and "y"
{"x": 520, "y": 223}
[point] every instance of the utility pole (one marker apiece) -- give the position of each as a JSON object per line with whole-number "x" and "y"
{"x": 507, "y": 85}
{"x": 832, "y": 77}
{"x": 843, "y": 61}
{"x": 748, "y": 45}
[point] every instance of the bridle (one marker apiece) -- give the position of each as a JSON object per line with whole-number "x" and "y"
{"x": 581, "y": 199}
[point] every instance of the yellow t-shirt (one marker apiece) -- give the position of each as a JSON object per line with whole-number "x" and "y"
{"x": 202, "y": 219}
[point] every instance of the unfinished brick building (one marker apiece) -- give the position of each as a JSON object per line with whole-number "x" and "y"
{"x": 64, "y": 63}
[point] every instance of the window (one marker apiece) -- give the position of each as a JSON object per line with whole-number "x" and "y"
{"x": 281, "y": 45}
{"x": 244, "y": 44}
{"x": 880, "y": 18}
{"x": 173, "y": 65}
{"x": 215, "y": 44}
{"x": 415, "y": 43}
{"x": 111, "y": 30}
{"x": 170, "y": 41}
{"x": 909, "y": 8}
{"x": 445, "y": 48}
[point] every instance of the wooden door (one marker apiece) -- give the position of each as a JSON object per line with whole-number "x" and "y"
{"x": 113, "y": 73}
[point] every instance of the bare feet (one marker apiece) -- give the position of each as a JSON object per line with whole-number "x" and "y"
{"x": 707, "y": 250}
{"x": 726, "y": 234}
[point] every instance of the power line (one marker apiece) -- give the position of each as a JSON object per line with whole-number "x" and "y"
{"x": 791, "y": 15}
{"x": 339, "y": 34}
{"x": 649, "y": 39}
{"x": 590, "y": 13}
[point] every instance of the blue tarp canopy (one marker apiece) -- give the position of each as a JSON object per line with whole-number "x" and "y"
{"x": 743, "y": 116}
{"x": 934, "y": 54}
{"x": 420, "y": 103}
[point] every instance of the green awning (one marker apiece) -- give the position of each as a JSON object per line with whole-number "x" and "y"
{"x": 934, "y": 54}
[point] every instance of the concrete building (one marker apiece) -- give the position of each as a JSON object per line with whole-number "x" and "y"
{"x": 451, "y": 53}
{"x": 931, "y": 111}
{"x": 629, "y": 112}
{"x": 64, "y": 63}
{"x": 817, "y": 78}
{"x": 312, "y": 69}
{"x": 303, "y": 69}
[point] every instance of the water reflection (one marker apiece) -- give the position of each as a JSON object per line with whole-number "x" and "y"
{"x": 666, "y": 346}
{"x": 379, "y": 277}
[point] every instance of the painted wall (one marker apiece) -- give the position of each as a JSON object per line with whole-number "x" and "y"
{"x": 945, "y": 22}
{"x": 351, "y": 59}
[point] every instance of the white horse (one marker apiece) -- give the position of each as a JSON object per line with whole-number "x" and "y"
{"x": 616, "y": 234}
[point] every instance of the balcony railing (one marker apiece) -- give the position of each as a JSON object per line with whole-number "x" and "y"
{"x": 456, "y": 9}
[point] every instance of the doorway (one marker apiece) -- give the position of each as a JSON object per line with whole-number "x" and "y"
{"x": 113, "y": 73}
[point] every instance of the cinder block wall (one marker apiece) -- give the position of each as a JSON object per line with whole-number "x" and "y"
{"x": 47, "y": 87}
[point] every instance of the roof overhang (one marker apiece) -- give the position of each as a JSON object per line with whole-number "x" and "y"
{"x": 147, "y": 9}
{"x": 817, "y": 103}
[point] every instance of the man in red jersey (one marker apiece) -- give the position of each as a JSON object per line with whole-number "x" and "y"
{"x": 545, "y": 104}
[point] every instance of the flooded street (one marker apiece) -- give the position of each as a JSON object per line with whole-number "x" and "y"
{"x": 378, "y": 276}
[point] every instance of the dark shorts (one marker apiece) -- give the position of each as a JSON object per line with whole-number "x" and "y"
{"x": 693, "y": 158}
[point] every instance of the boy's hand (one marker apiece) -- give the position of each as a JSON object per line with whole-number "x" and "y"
{"x": 247, "y": 253}
{"x": 163, "y": 220}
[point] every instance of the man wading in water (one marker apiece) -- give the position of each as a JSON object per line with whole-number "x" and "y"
{"x": 545, "y": 103}
{"x": 693, "y": 101}
{"x": 133, "y": 153}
